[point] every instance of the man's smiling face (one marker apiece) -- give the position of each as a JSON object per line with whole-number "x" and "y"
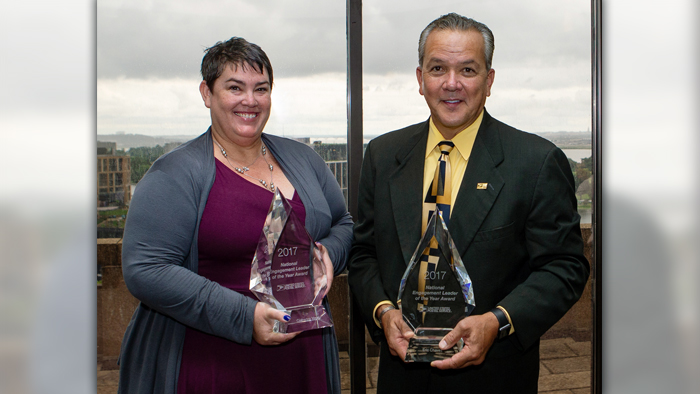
{"x": 454, "y": 79}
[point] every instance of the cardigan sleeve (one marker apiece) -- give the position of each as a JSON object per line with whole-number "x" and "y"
{"x": 364, "y": 276}
{"x": 339, "y": 238}
{"x": 160, "y": 228}
{"x": 327, "y": 217}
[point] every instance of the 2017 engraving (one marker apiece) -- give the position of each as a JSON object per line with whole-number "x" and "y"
{"x": 435, "y": 275}
{"x": 284, "y": 252}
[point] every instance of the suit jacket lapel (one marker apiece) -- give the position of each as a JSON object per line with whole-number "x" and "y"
{"x": 406, "y": 189}
{"x": 473, "y": 203}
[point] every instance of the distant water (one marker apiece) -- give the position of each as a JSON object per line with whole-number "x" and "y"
{"x": 577, "y": 154}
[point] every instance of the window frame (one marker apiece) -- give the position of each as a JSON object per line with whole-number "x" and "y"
{"x": 357, "y": 344}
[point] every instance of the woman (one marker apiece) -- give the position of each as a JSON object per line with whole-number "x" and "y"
{"x": 190, "y": 237}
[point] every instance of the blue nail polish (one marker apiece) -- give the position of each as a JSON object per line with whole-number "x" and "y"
{"x": 287, "y": 318}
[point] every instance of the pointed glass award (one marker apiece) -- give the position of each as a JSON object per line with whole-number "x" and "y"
{"x": 435, "y": 293}
{"x": 288, "y": 272}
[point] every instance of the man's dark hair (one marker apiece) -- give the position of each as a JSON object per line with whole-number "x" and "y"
{"x": 458, "y": 22}
{"x": 234, "y": 52}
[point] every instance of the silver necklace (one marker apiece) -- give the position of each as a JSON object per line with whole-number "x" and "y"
{"x": 243, "y": 170}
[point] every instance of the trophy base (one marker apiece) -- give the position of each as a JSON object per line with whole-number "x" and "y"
{"x": 424, "y": 346}
{"x": 304, "y": 318}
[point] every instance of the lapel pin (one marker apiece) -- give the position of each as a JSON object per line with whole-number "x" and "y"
{"x": 481, "y": 186}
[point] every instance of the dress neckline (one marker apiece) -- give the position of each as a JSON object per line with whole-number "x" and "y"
{"x": 295, "y": 196}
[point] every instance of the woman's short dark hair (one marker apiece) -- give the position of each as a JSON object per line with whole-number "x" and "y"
{"x": 236, "y": 52}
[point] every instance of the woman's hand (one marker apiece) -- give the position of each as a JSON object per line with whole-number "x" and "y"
{"x": 264, "y": 321}
{"x": 328, "y": 265}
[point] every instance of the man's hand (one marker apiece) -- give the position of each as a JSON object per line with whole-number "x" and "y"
{"x": 264, "y": 321}
{"x": 397, "y": 333}
{"x": 478, "y": 333}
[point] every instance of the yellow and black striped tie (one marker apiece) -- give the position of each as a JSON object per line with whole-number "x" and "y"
{"x": 439, "y": 197}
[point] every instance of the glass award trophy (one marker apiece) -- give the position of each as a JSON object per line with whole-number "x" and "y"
{"x": 288, "y": 272}
{"x": 435, "y": 293}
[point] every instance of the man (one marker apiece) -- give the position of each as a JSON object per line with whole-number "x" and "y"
{"x": 512, "y": 215}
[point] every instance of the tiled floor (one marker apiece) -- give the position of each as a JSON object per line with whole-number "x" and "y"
{"x": 565, "y": 368}
{"x": 107, "y": 381}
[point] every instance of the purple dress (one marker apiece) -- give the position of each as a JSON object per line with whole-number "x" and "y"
{"x": 228, "y": 236}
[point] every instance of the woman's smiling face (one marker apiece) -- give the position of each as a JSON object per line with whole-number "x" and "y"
{"x": 239, "y": 102}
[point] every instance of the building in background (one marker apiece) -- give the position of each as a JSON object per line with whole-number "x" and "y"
{"x": 113, "y": 176}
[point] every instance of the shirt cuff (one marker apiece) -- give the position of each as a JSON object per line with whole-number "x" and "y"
{"x": 512, "y": 327}
{"x": 374, "y": 312}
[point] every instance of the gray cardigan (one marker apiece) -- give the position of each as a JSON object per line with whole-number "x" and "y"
{"x": 159, "y": 259}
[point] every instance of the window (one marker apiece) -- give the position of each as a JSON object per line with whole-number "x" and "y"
{"x": 542, "y": 58}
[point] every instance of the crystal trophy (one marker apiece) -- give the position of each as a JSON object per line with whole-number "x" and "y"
{"x": 288, "y": 272}
{"x": 435, "y": 293}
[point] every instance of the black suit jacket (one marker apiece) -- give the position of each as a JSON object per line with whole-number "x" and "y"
{"x": 519, "y": 238}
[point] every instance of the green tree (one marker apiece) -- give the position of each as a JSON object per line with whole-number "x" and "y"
{"x": 581, "y": 171}
{"x": 141, "y": 160}
{"x": 331, "y": 152}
